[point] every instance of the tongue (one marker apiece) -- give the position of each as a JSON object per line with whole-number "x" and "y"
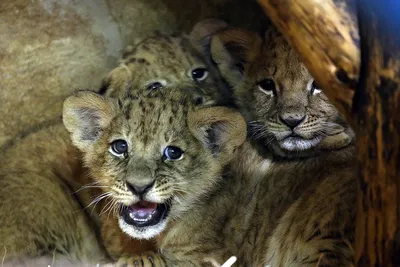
{"x": 143, "y": 209}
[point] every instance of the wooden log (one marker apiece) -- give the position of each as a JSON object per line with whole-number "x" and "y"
{"x": 375, "y": 111}
{"x": 326, "y": 37}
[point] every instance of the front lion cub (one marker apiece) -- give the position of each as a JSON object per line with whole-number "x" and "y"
{"x": 160, "y": 158}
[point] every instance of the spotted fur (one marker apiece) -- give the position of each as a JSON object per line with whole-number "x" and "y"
{"x": 163, "y": 61}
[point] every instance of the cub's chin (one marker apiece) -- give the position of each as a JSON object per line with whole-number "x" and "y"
{"x": 144, "y": 220}
{"x": 296, "y": 143}
{"x": 294, "y": 146}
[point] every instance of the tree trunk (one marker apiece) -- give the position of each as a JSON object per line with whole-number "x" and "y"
{"x": 373, "y": 111}
{"x": 376, "y": 108}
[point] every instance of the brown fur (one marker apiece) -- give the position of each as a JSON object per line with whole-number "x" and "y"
{"x": 320, "y": 221}
{"x": 245, "y": 61}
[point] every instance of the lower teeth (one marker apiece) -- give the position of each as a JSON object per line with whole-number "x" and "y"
{"x": 140, "y": 219}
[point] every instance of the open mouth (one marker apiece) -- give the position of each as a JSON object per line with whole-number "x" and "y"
{"x": 144, "y": 213}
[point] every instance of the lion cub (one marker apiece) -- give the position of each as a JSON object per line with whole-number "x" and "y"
{"x": 289, "y": 117}
{"x": 159, "y": 158}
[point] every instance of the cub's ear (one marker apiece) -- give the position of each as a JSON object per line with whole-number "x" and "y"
{"x": 86, "y": 114}
{"x": 201, "y": 34}
{"x": 117, "y": 82}
{"x": 220, "y": 129}
{"x": 232, "y": 49}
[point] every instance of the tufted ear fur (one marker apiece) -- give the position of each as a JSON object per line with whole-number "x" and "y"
{"x": 86, "y": 114}
{"x": 201, "y": 34}
{"x": 220, "y": 129}
{"x": 232, "y": 49}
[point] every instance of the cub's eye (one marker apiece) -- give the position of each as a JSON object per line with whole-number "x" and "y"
{"x": 314, "y": 88}
{"x": 173, "y": 153}
{"x": 199, "y": 74}
{"x": 119, "y": 148}
{"x": 267, "y": 86}
{"x": 155, "y": 86}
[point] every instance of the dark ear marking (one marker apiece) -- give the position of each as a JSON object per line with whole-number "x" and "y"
{"x": 231, "y": 50}
{"x": 91, "y": 129}
{"x": 86, "y": 114}
{"x": 214, "y": 136}
{"x": 212, "y": 141}
{"x": 220, "y": 129}
{"x": 203, "y": 31}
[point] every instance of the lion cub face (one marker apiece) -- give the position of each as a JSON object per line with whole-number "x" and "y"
{"x": 278, "y": 96}
{"x": 153, "y": 156}
{"x": 166, "y": 61}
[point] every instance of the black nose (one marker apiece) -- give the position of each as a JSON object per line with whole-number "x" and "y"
{"x": 140, "y": 190}
{"x": 292, "y": 120}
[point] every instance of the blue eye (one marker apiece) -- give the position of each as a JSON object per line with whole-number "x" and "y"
{"x": 119, "y": 148}
{"x": 173, "y": 153}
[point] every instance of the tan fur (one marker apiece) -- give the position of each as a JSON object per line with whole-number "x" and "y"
{"x": 39, "y": 210}
{"x": 138, "y": 122}
{"x": 24, "y": 156}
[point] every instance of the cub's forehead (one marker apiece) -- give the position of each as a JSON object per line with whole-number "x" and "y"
{"x": 162, "y": 50}
{"x": 281, "y": 61}
{"x": 155, "y": 115}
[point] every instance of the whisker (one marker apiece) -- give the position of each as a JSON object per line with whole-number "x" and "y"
{"x": 98, "y": 199}
{"x": 108, "y": 207}
{"x": 92, "y": 185}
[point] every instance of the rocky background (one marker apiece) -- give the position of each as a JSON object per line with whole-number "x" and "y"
{"x": 49, "y": 48}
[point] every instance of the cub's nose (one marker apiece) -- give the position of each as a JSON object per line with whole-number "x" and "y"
{"x": 292, "y": 120}
{"x": 140, "y": 189}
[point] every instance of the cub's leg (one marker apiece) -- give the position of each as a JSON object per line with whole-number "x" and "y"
{"x": 40, "y": 216}
{"x": 318, "y": 230}
{"x": 147, "y": 259}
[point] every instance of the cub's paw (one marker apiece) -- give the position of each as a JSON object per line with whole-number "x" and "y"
{"x": 148, "y": 259}
{"x": 334, "y": 142}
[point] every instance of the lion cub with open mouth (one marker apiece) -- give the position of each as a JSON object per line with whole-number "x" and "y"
{"x": 161, "y": 158}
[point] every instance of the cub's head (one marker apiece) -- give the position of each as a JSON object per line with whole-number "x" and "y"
{"x": 166, "y": 61}
{"x": 156, "y": 157}
{"x": 283, "y": 105}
